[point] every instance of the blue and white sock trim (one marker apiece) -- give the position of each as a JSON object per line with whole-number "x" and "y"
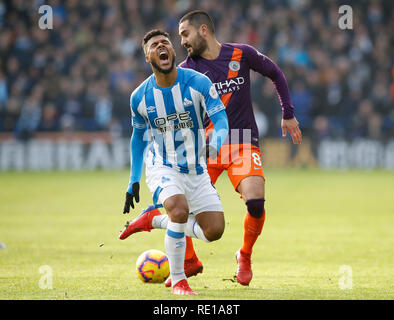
{"x": 176, "y": 230}
{"x": 174, "y": 234}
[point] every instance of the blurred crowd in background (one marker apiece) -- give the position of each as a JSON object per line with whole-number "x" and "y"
{"x": 79, "y": 75}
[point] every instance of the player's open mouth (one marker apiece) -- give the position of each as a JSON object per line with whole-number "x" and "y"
{"x": 164, "y": 58}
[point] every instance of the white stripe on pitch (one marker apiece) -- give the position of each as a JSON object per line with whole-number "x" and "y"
{"x": 187, "y": 133}
{"x": 168, "y": 135}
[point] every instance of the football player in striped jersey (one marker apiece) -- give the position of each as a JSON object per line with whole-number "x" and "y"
{"x": 168, "y": 110}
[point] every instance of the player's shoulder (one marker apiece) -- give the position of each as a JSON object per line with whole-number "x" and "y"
{"x": 139, "y": 92}
{"x": 244, "y": 47}
{"x": 188, "y": 63}
{"x": 249, "y": 54}
{"x": 193, "y": 76}
{"x": 187, "y": 70}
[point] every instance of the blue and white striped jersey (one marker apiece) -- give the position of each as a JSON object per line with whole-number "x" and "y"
{"x": 175, "y": 119}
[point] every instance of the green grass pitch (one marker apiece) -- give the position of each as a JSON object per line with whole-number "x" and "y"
{"x": 317, "y": 222}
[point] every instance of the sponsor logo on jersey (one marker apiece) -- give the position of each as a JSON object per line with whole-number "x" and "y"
{"x": 229, "y": 85}
{"x": 167, "y": 123}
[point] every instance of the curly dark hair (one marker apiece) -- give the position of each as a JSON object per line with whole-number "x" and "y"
{"x": 154, "y": 33}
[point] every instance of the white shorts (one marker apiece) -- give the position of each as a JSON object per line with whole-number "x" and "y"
{"x": 164, "y": 182}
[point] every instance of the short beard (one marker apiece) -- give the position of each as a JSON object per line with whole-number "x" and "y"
{"x": 199, "y": 47}
{"x": 164, "y": 71}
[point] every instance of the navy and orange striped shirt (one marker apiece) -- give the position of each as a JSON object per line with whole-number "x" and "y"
{"x": 230, "y": 73}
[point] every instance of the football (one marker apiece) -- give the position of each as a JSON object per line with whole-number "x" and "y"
{"x": 152, "y": 266}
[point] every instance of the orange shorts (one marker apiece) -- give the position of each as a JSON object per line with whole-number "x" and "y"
{"x": 240, "y": 161}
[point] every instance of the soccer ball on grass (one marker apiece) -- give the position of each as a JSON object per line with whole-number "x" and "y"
{"x": 152, "y": 266}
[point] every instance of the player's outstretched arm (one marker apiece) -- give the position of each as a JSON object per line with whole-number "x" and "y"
{"x": 292, "y": 126}
{"x": 220, "y": 132}
{"x": 266, "y": 67}
{"x": 137, "y": 151}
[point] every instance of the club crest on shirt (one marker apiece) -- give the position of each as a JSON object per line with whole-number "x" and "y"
{"x": 212, "y": 92}
{"x": 234, "y": 65}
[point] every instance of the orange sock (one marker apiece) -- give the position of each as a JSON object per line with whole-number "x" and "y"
{"x": 189, "y": 249}
{"x": 252, "y": 230}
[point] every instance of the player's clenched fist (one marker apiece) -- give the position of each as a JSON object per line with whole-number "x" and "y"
{"x": 135, "y": 194}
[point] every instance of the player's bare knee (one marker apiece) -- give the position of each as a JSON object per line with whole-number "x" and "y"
{"x": 212, "y": 224}
{"x": 252, "y": 188}
{"x": 177, "y": 209}
{"x": 214, "y": 230}
{"x": 179, "y": 214}
{"x": 256, "y": 207}
{"x": 213, "y": 234}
